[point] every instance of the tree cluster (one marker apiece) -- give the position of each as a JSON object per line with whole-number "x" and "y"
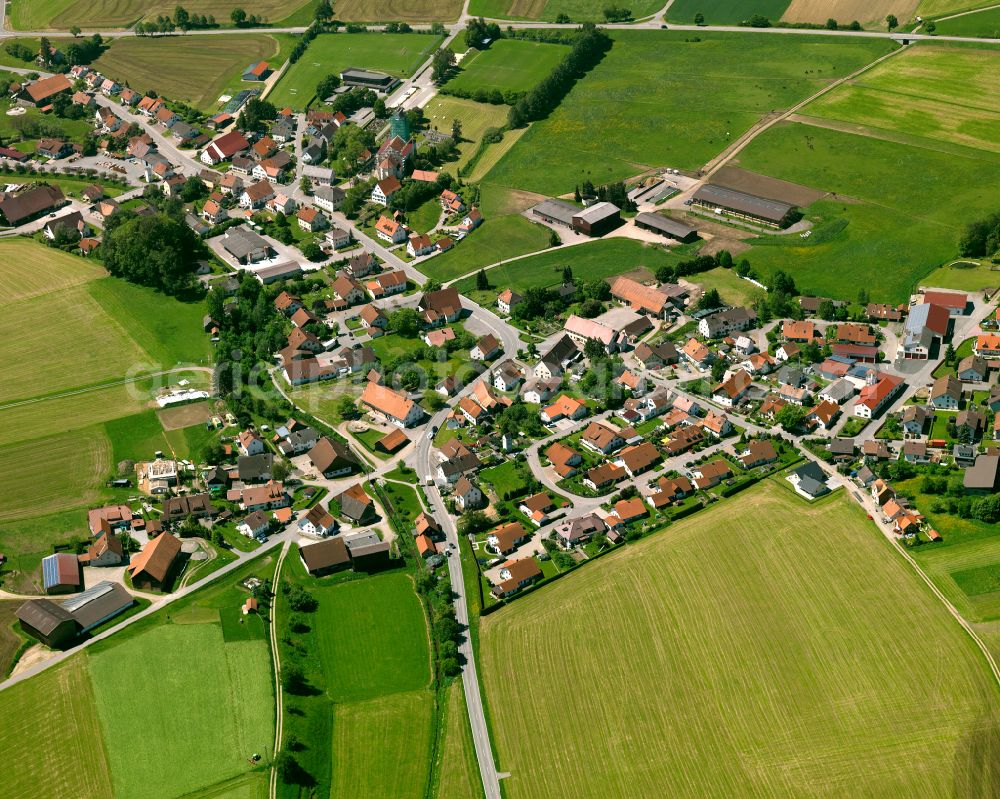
{"x": 479, "y": 30}
{"x": 588, "y": 49}
{"x": 187, "y": 21}
{"x": 160, "y": 251}
{"x": 300, "y": 46}
{"x": 616, "y": 13}
{"x": 256, "y": 113}
{"x": 241, "y": 19}
{"x": 615, "y": 193}
{"x": 415, "y": 193}
{"x": 981, "y": 238}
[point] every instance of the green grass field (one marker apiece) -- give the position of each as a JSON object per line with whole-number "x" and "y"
{"x": 404, "y": 501}
{"x": 11, "y": 638}
{"x": 964, "y": 278}
{"x": 982, "y": 23}
{"x": 768, "y": 669}
{"x": 382, "y": 615}
{"x": 195, "y": 69}
{"x": 941, "y": 93}
{"x": 888, "y": 228}
{"x": 366, "y": 719}
{"x": 496, "y": 239}
{"x": 515, "y": 65}
{"x": 102, "y": 14}
{"x": 968, "y": 572}
{"x": 458, "y": 775}
{"x": 658, "y": 100}
{"x": 733, "y": 289}
{"x": 381, "y": 745}
{"x": 592, "y": 261}
{"x": 426, "y": 216}
{"x": 937, "y": 8}
{"x": 395, "y": 53}
{"x": 474, "y": 117}
{"x": 225, "y": 705}
{"x": 725, "y": 12}
{"x": 549, "y": 10}
{"x": 50, "y": 740}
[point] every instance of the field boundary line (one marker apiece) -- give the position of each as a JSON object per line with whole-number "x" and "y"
{"x": 966, "y": 13}
{"x": 272, "y": 790}
{"x": 763, "y": 125}
{"x": 952, "y": 610}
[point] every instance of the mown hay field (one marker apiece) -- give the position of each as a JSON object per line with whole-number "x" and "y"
{"x": 399, "y": 10}
{"x": 458, "y": 771}
{"x": 102, "y": 14}
{"x": 475, "y": 118}
{"x": 657, "y": 100}
{"x": 870, "y": 13}
{"x": 943, "y": 93}
{"x": 206, "y": 721}
{"x": 381, "y": 746}
{"x": 195, "y": 69}
{"x": 50, "y": 739}
{"x": 757, "y": 649}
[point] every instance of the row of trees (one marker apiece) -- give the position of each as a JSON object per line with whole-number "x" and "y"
{"x": 588, "y": 49}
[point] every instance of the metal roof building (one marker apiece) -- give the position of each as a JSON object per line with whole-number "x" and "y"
{"x": 98, "y": 604}
{"x": 741, "y": 204}
{"x": 665, "y": 225}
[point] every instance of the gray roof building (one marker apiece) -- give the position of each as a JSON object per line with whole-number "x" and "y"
{"x": 772, "y": 211}
{"x": 665, "y": 225}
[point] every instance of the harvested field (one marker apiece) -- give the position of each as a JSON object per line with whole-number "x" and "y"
{"x": 764, "y": 186}
{"x": 50, "y": 739}
{"x": 102, "y": 14}
{"x": 195, "y": 69}
{"x": 396, "y": 765}
{"x": 936, "y": 92}
{"x": 27, "y": 270}
{"x": 870, "y": 13}
{"x": 724, "y": 12}
{"x": 185, "y": 415}
{"x": 70, "y": 466}
{"x": 751, "y": 659}
{"x": 399, "y": 10}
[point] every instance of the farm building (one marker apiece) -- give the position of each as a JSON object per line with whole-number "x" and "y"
{"x": 50, "y": 623}
{"x": 671, "y": 228}
{"x": 555, "y": 212}
{"x": 61, "y": 574}
{"x": 98, "y": 604}
{"x": 325, "y": 557}
{"x": 154, "y": 566}
{"x": 598, "y": 219}
{"x": 773, "y": 213}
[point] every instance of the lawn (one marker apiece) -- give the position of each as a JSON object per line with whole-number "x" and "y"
{"x": 50, "y": 739}
{"x": 475, "y": 118}
{"x": 887, "y": 228}
{"x": 381, "y": 746}
{"x": 404, "y": 501}
{"x": 765, "y": 671}
{"x": 508, "y": 65}
{"x": 225, "y": 708}
{"x": 725, "y": 12}
{"x": 103, "y": 14}
{"x": 136, "y": 437}
{"x": 458, "y": 774}
{"x": 195, "y": 69}
{"x": 967, "y": 571}
{"x": 425, "y": 217}
{"x": 497, "y": 239}
{"x": 937, "y": 92}
{"x": 592, "y": 261}
{"x": 731, "y": 287}
{"x": 658, "y": 100}
{"x": 984, "y": 23}
{"x": 398, "y": 54}
{"x": 507, "y": 480}
{"x": 965, "y": 276}
{"x": 26, "y": 128}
